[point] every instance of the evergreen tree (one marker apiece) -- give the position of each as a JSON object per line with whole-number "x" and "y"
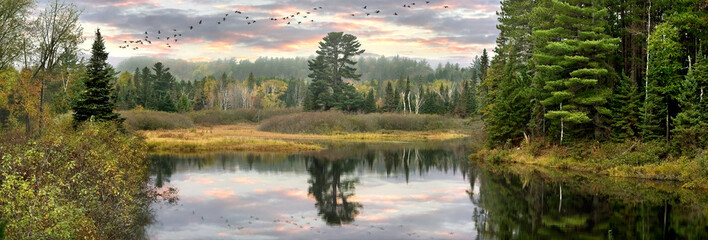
{"x": 390, "y": 98}
{"x": 320, "y": 92}
{"x": 625, "y": 110}
{"x": 164, "y": 88}
{"x": 691, "y": 131}
{"x": 571, "y": 49}
{"x": 138, "y": 87}
{"x": 470, "y": 98}
{"x": 94, "y": 103}
{"x": 146, "y": 91}
{"x": 664, "y": 80}
{"x": 370, "y": 102}
{"x": 184, "y": 104}
{"x": 329, "y": 69}
{"x": 484, "y": 64}
{"x": 250, "y": 81}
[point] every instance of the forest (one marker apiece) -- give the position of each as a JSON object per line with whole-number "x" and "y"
{"x": 395, "y": 84}
{"x": 609, "y": 87}
{"x": 607, "y": 71}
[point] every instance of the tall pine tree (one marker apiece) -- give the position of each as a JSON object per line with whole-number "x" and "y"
{"x": 571, "y": 49}
{"x": 94, "y": 102}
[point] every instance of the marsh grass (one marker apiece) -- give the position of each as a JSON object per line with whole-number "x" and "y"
{"x": 155, "y": 120}
{"x": 228, "y": 117}
{"x": 338, "y": 122}
{"x": 246, "y": 137}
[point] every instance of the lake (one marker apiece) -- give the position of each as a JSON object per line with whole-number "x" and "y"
{"x": 408, "y": 191}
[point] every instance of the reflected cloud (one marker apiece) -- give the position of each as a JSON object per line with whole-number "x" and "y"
{"x": 243, "y": 180}
{"x": 220, "y": 193}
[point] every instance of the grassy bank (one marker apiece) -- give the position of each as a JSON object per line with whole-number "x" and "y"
{"x": 650, "y": 160}
{"x": 154, "y": 120}
{"x": 338, "y": 122}
{"x": 247, "y": 137}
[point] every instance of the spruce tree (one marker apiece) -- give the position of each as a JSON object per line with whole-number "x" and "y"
{"x": 370, "y": 102}
{"x": 94, "y": 102}
{"x": 138, "y": 87}
{"x": 250, "y": 81}
{"x": 146, "y": 91}
{"x": 625, "y": 110}
{"x": 691, "y": 124}
{"x": 164, "y": 88}
{"x": 470, "y": 98}
{"x": 390, "y": 98}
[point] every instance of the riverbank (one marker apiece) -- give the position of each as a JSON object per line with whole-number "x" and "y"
{"x": 247, "y": 137}
{"x": 628, "y": 160}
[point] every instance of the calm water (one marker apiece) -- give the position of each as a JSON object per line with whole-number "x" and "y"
{"x": 403, "y": 191}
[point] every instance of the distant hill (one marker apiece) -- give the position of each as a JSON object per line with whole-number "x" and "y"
{"x": 371, "y": 68}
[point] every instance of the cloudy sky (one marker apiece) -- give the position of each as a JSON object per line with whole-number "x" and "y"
{"x": 424, "y": 30}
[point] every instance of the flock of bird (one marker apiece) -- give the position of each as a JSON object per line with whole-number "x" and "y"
{"x": 298, "y": 17}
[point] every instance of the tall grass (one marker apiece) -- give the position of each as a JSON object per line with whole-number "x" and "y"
{"x": 154, "y": 120}
{"x": 226, "y": 117}
{"x": 333, "y": 122}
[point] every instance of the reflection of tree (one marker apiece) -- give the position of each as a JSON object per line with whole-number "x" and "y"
{"x": 536, "y": 208}
{"x": 331, "y": 192}
{"x": 162, "y": 167}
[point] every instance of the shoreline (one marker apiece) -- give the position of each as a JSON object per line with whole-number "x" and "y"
{"x": 246, "y": 137}
{"x": 687, "y": 172}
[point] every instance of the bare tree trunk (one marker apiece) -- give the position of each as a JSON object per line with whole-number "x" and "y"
{"x": 409, "y": 102}
{"x": 403, "y": 100}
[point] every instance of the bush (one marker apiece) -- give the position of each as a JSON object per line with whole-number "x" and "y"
{"x": 334, "y": 122}
{"x": 154, "y": 120}
{"x": 226, "y": 117}
{"x": 91, "y": 183}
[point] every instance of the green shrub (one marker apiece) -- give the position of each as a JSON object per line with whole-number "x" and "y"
{"x": 333, "y": 122}
{"x": 154, "y": 120}
{"x": 91, "y": 183}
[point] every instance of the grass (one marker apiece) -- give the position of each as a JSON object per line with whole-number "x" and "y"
{"x": 246, "y": 137}
{"x": 219, "y": 139}
{"x": 154, "y": 120}
{"x": 333, "y": 122}
{"x": 633, "y": 159}
{"x": 229, "y": 117}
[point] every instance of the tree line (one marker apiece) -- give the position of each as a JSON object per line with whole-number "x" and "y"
{"x": 371, "y": 68}
{"x": 455, "y": 93}
{"x": 614, "y": 70}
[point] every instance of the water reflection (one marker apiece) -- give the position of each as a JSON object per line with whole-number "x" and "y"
{"x": 332, "y": 193}
{"x": 404, "y": 191}
{"x": 360, "y": 191}
{"x": 552, "y": 205}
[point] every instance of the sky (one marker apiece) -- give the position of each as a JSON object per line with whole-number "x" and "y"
{"x": 424, "y": 30}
